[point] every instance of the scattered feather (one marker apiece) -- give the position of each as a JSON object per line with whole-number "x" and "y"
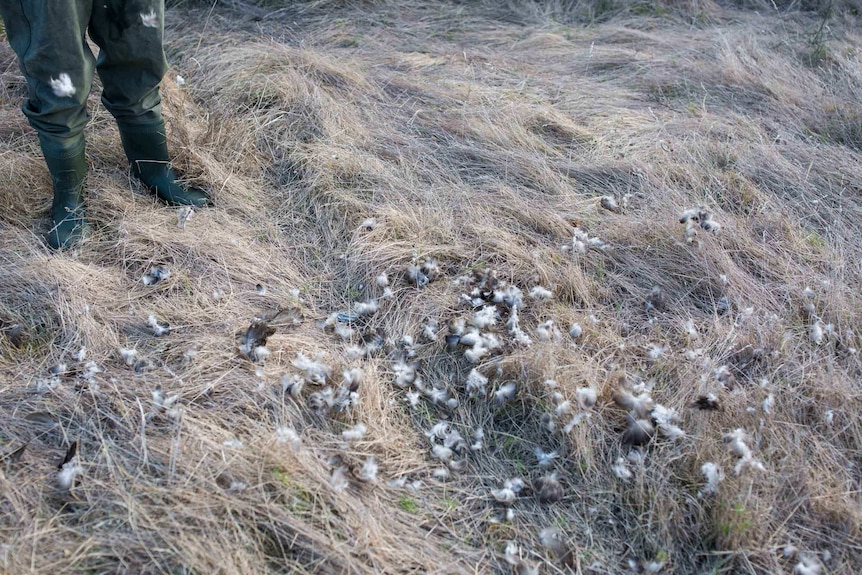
{"x": 545, "y": 459}
{"x": 511, "y": 553}
{"x": 293, "y": 385}
{"x": 69, "y": 468}
{"x": 540, "y": 293}
{"x": 458, "y": 465}
{"x": 475, "y": 354}
{"x": 505, "y": 495}
{"x": 429, "y": 330}
{"x": 641, "y": 404}
{"x": 315, "y": 370}
{"x": 159, "y": 328}
{"x": 638, "y": 432}
{"x": 430, "y": 268}
{"x": 621, "y": 469}
{"x": 288, "y": 435}
{"x": 415, "y": 276}
{"x": 708, "y": 402}
{"x": 442, "y": 453}
{"x": 478, "y": 439}
{"x": 355, "y": 433}
{"x": 815, "y": 332}
{"x": 485, "y": 317}
{"x": 610, "y": 203}
{"x": 563, "y": 408}
{"x": 736, "y": 442}
{"x": 368, "y": 473}
{"x": 440, "y": 473}
{"x": 338, "y": 479}
{"x": 368, "y": 224}
{"x": 807, "y": 566}
{"x": 586, "y": 397}
{"x": 656, "y": 300}
{"x": 128, "y": 355}
{"x": 413, "y": 398}
{"x": 59, "y": 369}
{"x": 353, "y": 378}
{"x": 476, "y": 384}
{"x": 366, "y": 308}
{"x": 714, "y": 476}
{"x": 548, "y": 331}
{"x": 655, "y": 351}
{"x": 576, "y": 420}
{"x": 690, "y": 329}
{"x": 505, "y": 393}
{"x": 155, "y": 275}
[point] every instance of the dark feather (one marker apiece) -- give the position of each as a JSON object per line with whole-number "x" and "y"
{"x": 257, "y": 334}
{"x": 639, "y": 432}
{"x": 548, "y": 489}
{"x": 15, "y": 456}
{"x": 706, "y": 403}
{"x": 70, "y": 454}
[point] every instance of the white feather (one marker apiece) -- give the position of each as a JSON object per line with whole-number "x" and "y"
{"x": 545, "y": 459}
{"x": 621, "y": 469}
{"x": 150, "y": 20}
{"x": 338, "y": 480}
{"x": 62, "y": 86}
{"x": 485, "y": 317}
{"x": 369, "y": 470}
{"x": 355, "y": 433}
{"x": 714, "y": 476}
{"x": 442, "y": 453}
{"x": 288, "y": 435}
{"x": 540, "y": 293}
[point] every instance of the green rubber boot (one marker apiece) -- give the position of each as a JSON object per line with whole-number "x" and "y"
{"x": 147, "y": 150}
{"x": 68, "y": 168}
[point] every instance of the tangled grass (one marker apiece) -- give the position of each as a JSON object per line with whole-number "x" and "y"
{"x": 362, "y": 140}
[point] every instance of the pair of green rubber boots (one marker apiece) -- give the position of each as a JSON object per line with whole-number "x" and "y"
{"x": 147, "y": 151}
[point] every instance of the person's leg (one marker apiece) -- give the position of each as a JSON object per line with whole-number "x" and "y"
{"x": 48, "y": 38}
{"x": 131, "y": 65}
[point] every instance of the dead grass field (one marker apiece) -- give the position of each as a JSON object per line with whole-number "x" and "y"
{"x": 484, "y": 138}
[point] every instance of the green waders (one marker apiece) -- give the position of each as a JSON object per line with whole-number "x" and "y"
{"x": 49, "y": 38}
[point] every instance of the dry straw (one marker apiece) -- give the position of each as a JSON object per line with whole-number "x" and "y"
{"x": 474, "y": 145}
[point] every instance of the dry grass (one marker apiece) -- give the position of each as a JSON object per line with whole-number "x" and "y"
{"x": 477, "y": 141}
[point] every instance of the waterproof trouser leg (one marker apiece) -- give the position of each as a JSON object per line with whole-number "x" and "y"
{"x": 48, "y": 37}
{"x": 131, "y": 65}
